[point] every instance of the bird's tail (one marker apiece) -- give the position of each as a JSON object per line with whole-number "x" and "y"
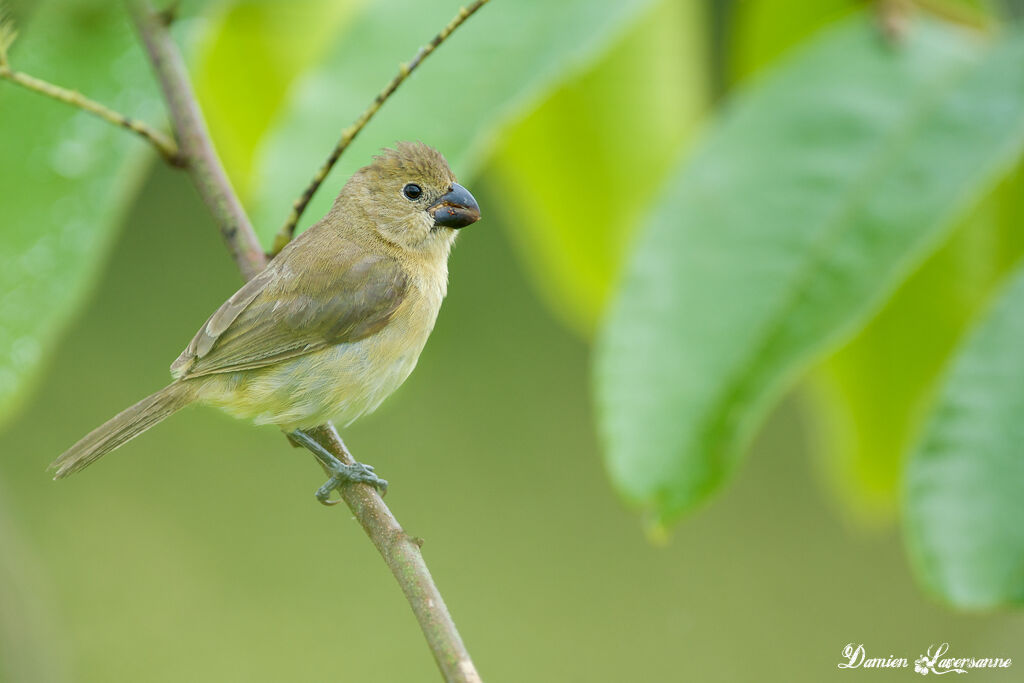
{"x": 123, "y": 427}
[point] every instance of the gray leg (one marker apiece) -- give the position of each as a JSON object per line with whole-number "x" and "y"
{"x": 340, "y": 472}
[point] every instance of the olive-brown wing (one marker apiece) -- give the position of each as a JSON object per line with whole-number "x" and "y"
{"x": 283, "y": 312}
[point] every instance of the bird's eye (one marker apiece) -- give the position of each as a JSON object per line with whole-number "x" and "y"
{"x": 412, "y": 191}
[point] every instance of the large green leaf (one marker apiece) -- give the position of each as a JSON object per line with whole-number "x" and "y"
{"x": 964, "y": 511}
{"x": 488, "y": 73}
{"x": 873, "y": 393}
{"x": 814, "y": 196}
{"x": 65, "y": 174}
{"x": 562, "y": 169}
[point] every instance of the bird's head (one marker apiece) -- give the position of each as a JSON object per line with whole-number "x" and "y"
{"x": 408, "y": 196}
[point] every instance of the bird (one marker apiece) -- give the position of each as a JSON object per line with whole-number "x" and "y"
{"x": 333, "y": 324}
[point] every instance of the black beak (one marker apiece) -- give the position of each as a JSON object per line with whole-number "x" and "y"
{"x": 456, "y": 209}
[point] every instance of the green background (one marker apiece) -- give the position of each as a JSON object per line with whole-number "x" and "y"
{"x": 198, "y": 552}
{"x": 708, "y": 135}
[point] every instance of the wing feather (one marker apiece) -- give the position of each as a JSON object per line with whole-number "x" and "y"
{"x": 341, "y": 294}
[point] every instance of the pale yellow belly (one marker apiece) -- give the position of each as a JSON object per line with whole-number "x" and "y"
{"x": 340, "y": 383}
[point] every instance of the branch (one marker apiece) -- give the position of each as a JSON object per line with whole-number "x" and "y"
{"x": 197, "y": 150}
{"x": 400, "y": 551}
{"x": 402, "y": 554}
{"x": 287, "y": 232}
{"x": 163, "y": 144}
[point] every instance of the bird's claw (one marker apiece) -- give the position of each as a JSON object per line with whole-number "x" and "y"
{"x": 342, "y": 474}
{"x": 323, "y": 494}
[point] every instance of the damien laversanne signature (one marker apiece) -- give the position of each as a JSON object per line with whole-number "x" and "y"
{"x": 933, "y": 661}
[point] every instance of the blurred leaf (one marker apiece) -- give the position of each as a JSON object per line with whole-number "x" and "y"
{"x": 490, "y": 71}
{"x": 249, "y": 55}
{"x": 817, "y": 192}
{"x": 574, "y": 174}
{"x": 963, "y": 505}
{"x": 874, "y": 392}
{"x": 765, "y": 29}
{"x": 66, "y": 174}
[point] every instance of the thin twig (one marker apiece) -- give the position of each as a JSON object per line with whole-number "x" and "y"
{"x": 400, "y": 551}
{"x": 163, "y": 144}
{"x": 287, "y": 231}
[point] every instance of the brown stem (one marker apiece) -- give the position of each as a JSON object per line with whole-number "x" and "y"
{"x": 400, "y": 551}
{"x": 287, "y": 231}
{"x": 197, "y": 150}
{"x": 402, "y": 554}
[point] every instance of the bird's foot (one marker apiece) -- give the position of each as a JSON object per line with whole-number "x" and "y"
{"x": 342, "y": 474}
{"x": 339, "y": 472}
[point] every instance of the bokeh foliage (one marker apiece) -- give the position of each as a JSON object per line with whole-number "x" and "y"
{"x": 66, "y": 180}
{"x": 596, "y": 150}
{"x": 485, "y": 78}
{"x": 825, "y": 182}
{"x": 969, "y": 548}
{"x": 844, "y": 213}
{"x": 876, "y": 390}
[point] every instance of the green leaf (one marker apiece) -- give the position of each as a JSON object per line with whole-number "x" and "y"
{"x": 494, "y": 68}
{"x": 765, "y": 29}
{"x": 562, "y": 171}
{"x": 66, "y": 175}
{"x": 248, "y": 57}
{"x": 964, "y": 511}
{"x": 874, "y": 392}
{"x": 810, "y": 201}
